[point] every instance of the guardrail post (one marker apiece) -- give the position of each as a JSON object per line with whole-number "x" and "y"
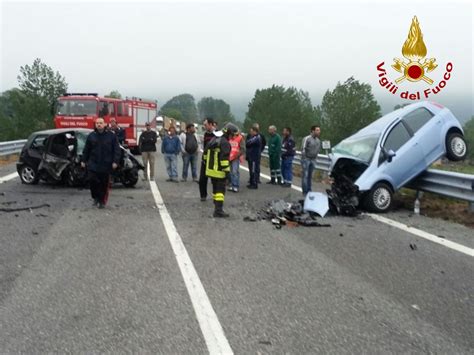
{"x": 416, "y": 206}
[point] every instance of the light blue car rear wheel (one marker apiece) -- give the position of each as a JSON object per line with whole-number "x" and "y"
{"x": 456, "y": 147}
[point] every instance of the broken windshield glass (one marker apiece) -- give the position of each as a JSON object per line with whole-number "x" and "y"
{"x": 361, "y": 148}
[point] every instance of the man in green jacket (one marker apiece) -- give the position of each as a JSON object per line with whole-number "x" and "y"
{"x": 274, "y": 153}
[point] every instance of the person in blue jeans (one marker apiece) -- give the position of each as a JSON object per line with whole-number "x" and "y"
{"x": 170, "y": 148}
{"x": 309, "y": 152}
{"x": 287, "y": 156}
{"x": 189, "y": 151}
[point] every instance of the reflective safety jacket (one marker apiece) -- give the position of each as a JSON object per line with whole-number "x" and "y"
{"x": 217, "y": 158}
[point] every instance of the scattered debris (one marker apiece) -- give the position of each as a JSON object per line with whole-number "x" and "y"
{"x": 8, "y": 203}
{"x": 265, "y": 342}
{"x": 441, "y": 236}
{"x": 23, "y": 208}
{"x": 416, "y": 307}
{"x": 34, "y": 233}
{"x": 250, "y": 219}
{"x": 281, "y": 213}
{"x": 413, "y": 246}
{"x": 341, "y": 235}
{"x": 41, "y": 215}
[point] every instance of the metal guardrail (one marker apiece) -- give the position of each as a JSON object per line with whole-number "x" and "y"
{"x": 444, "y": 183}
{"x": 11, "y": 147}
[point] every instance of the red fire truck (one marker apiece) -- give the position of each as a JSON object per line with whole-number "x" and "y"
{"x": 81, "y": 109}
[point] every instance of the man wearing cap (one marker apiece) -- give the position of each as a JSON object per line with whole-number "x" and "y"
{"x": 147, "y": 146}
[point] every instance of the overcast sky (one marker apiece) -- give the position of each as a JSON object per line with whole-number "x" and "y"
{"x": 228, "y": 50}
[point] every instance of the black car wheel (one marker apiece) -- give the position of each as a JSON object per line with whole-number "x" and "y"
{"x": 456, "y": 147}
{"x": 130, "y": 178}
{"x": 28, "y": 175}
{"x": 380, "y": 198}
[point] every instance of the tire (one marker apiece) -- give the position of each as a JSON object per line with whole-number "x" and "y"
{"x": 456, "y": 147}
{"x": 28, "y": 175}
{"x": 130, "y": 178}
{"x": 380, "y": 198}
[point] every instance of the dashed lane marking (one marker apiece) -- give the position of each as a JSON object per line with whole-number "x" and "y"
{"x": 211, "y": 329}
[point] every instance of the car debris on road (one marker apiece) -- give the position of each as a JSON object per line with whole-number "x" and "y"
{"x": 281, "y": 212}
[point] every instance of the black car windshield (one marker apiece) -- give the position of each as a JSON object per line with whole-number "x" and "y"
{"x": 81, "y": 141}
{"x": 77, "y": 108}
{"x": 362, "y": 148}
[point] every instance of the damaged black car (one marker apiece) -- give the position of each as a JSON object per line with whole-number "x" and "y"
{"x": 55, "y": 156}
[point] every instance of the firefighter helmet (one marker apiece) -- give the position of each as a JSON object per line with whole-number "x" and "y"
{"x": 230, "y": 129}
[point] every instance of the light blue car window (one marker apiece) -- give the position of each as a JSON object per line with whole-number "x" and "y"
{"x": 397, "y": 137}
{"x": 361, "y": 148}
{"x": 418, "y": 118}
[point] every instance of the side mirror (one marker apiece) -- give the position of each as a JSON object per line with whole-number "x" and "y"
{"x": 70, "y": 147}
{"x": 390, "y": 154}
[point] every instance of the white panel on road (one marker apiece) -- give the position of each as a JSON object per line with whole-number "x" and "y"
{"x": 8, "y": 177}
{"x": 212, "y": 331}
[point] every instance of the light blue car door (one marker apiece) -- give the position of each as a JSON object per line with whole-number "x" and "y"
{"x": 426, "y": 128}
{"x": 409, "y": 158}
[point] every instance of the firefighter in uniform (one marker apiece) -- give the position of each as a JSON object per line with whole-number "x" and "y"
{"x": 218, "y": 166}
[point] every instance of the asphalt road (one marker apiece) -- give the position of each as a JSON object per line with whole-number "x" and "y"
{"x": 78, "y": 279}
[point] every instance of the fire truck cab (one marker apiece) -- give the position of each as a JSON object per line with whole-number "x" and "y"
{"x": 81, "y": 110}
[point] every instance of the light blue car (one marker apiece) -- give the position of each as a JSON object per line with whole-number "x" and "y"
{"x": 384, "y": 156}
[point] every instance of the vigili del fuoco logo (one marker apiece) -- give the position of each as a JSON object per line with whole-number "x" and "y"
{"x": 415, "y": 68}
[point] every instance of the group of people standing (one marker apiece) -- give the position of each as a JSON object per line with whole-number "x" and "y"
{"x": 223, "y": 152}
{"x": 281, "y": 153}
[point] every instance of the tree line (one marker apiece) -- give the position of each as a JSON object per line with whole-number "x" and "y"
{"x": 343, "y": 110}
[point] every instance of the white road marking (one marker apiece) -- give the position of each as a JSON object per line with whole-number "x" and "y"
{"x": 212, "y": 331}
{"x": 418, "y": 232}
{"x": 8, "y": 177}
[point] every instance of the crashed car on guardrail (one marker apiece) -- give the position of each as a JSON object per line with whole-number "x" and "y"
{"x": 369, "y": 166}
{"x": 55, "y": 155}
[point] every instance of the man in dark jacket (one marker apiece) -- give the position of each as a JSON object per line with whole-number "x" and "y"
{"x": 119, "y": 131}
{"x": 210, "y": 126}
{"x": 287, "y": 156}
{"x": 189, "y": 151}
{"x": 147, "y": 146}
{"x": 101, "y": 155}
{"x": 254, "y": 152}
{"x": 263, "y": 144}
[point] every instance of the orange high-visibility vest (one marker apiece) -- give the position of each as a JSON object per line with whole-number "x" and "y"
{"x": 235, "y": 147}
